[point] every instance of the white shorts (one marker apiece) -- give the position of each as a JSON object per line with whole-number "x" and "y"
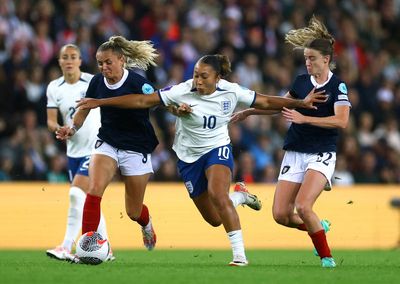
{"x": 130, "y": 163}
{"x": 295, "y": 164}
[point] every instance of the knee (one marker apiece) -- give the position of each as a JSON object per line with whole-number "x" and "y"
{"x": 221, "y": 202}
{"x": 214, "y": 223}
{"x": 281, "y": 218}
{"x": 303, "y": 210}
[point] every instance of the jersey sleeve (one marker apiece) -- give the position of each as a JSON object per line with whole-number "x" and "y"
{"x": 341, "y": 95}
{"x": 169, "y": 95}
{"x": 245, "y": 96}
{"x": 294, "y": 87}
{"x": 90, "y": 92}
{"x": 51, "y": 100}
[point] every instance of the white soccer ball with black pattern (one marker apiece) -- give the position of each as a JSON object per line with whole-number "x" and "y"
{"x": 92, "y": 248}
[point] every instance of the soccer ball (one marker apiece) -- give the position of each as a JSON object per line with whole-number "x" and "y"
{"x": 92, "y": 248}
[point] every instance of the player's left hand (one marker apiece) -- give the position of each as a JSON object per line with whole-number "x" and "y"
{"x": 292, "y": 115}
{"x": 313, "y": 98}
{"x": 87, "y": 103}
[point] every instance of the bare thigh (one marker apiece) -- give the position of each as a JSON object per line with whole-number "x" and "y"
{"x": 215, "y": 201}
{"x": 101, "y": 171}
{"x": 207, "y": 209}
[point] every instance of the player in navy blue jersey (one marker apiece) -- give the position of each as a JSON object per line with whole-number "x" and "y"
{"x": 126, "y": 137}
{"x": 202, "y": 142}
{"x": 310, "y": 144}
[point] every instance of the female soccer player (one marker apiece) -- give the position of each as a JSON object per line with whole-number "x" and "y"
{"x": 310, "y": 144}
{"x": 126, "y": 138}
{"x": 62, "y": 94}
{"x": 202, "y": 143}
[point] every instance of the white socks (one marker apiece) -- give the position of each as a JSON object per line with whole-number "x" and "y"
{"x": 236, "y": 239}
{"x": 77, "y": 199}
{"x": 237, "y": 198}
{"x": 102, "y": 228}
{"x": 74, "y": 220}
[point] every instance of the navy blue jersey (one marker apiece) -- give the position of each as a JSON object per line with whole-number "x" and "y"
{"x": 127, "y": 129}
{"x": 306, "y": 138}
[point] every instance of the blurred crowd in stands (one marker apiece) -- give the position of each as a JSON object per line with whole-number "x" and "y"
{"x": 250, "y": 32}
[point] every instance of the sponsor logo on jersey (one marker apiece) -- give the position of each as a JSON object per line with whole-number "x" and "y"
{"x": 189, "y": 186}
{"x": 147, "y": 89}
{"x": 226, "y": 107}
{"x": 342, "y": 88}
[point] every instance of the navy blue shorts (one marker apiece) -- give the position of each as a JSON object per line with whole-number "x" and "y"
{"x": 78, "y": 166}
{"x": 194, "y": 174}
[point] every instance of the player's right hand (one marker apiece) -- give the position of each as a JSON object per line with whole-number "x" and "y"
{"x": 64, "y": 132}
{"x": 238, "y": 116}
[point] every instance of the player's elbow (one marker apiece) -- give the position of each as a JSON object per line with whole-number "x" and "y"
{"x": 343, "y": 123}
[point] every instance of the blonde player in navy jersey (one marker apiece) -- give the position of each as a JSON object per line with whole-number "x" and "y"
{"x": 62, "y": 94}
{"x": 126, "y": 138}
{"x": 202, "y": 142}
{"x": 310, "y": 144}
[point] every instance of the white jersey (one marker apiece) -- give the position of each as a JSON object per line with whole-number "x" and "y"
{"x": 206, "y": 128}
{"x": 63, "y": 96}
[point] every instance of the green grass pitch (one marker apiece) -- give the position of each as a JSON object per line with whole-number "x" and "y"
{"x": 203, "y": 266}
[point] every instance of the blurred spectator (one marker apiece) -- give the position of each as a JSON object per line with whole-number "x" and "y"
{"x": 367, "y": 171}
{"x": 57, "y": 171}
{"x": 246, "y": 168}
{"x": 342, "y": 176}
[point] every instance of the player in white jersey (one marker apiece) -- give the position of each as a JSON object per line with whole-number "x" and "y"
{"x": 202, "y": 142}
{"x": 62, "y": 95}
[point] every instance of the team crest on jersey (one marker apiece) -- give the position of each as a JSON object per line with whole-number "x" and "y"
{"x": 285, "y": 169}
{"x": 98, "y": 143}
{"x": 189, "y": 186}
{"x": 342, "y": 88}
{"x": 226, "y": 107}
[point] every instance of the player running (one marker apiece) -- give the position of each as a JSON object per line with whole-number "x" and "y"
{"x": 202, "y": 142}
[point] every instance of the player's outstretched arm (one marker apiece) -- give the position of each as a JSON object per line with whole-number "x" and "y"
{"x": 126, "y": 101}
{"x": 267, "y": 102}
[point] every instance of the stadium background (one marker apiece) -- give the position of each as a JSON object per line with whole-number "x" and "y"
{"x": 251, "y": 34}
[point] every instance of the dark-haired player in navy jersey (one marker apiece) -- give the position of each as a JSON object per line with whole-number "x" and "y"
{"x": 126, "y": 137}
{"x": 310, "y": 144}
